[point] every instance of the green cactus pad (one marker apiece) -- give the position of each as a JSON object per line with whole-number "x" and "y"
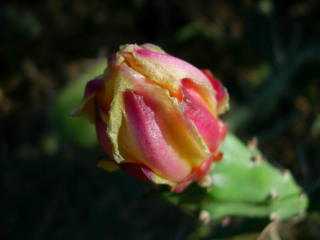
{"x": 245, "y": 185}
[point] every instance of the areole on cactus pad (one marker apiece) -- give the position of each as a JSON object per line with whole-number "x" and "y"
{"x": 157, "y": 116}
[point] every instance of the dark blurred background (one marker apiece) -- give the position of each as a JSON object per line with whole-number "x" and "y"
{"x": 267, "y": 53}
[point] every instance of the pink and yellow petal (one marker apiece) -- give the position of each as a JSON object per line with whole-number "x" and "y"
{"x": 160, "y": 157}
{"x": 210, "y": 127}
{"x": 124, "y": 79}
{"x": 177, "y": 131}
{"x": 162, "y": 68}
{"x": 128, "y": 145}
{"x": 203, "y": 95}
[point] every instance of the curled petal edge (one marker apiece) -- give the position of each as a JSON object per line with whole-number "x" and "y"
{"x": 222, "y": 95}
{"x": 87, "y": 107}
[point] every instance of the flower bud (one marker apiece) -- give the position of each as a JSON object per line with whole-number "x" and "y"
{"x": 157, "y": 116}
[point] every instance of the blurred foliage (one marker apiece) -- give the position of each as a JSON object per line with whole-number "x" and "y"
{"x": 266, "y": 53}
{"x": 76, "y": 130}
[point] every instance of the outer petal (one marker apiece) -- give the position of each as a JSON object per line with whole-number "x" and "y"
{"x": 122, "y": 78}
{"x": 211, "y": 128}
{"x": 92, "y": 87}
{"x": 221, "y": 93}
{"x": 160, "y": 157}
{"x": 101, "y": 130}
{"x": 88, "y": 105}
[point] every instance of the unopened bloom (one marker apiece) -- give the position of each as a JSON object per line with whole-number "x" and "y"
{"x": 157, "y": 116}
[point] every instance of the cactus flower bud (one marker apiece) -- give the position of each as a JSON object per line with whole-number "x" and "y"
{"x": 157, "y": 116}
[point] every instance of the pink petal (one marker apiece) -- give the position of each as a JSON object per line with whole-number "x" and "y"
{"x": 160, "y": 157}
{"x": 210, "y": 128}
{"x": 92, "y": 87}
{"x": 221, "y": 92}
